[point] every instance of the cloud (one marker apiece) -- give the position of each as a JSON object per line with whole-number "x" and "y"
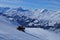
{"x": 32, "y": 3}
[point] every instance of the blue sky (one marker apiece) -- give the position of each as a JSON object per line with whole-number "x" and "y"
{"x": 32, "y": 4}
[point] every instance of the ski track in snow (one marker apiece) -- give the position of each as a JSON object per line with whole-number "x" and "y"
{"x": 44, "y": 34}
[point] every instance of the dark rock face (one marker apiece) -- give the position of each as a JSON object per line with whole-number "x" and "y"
{"x": 21, "y": 28}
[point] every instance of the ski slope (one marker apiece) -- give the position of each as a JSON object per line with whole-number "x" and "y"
{"x": 8, "y": 32}
{"x": 43, "y": 34}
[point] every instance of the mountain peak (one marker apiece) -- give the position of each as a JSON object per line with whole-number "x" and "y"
{"x": 41, "y": 10}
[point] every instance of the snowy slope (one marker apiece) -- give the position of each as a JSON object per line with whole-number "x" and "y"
{"x": 44, "y": 34}
{"x": 8, "y": 32}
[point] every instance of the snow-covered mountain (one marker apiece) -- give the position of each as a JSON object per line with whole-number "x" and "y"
{"x": 39, "y": 14}
{"x": 8, "y": 31}
{"x": 3, "y": 9}
{"x": 36, "y": 18}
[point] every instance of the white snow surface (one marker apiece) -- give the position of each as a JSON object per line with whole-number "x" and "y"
{"x": 8, "y": 31}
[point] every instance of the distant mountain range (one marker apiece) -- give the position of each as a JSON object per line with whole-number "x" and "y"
{"x": 29, "y": 18}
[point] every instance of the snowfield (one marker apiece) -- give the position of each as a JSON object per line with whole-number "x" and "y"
{"x": 8, "y": 31}
{"x": 43, "y": 34}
